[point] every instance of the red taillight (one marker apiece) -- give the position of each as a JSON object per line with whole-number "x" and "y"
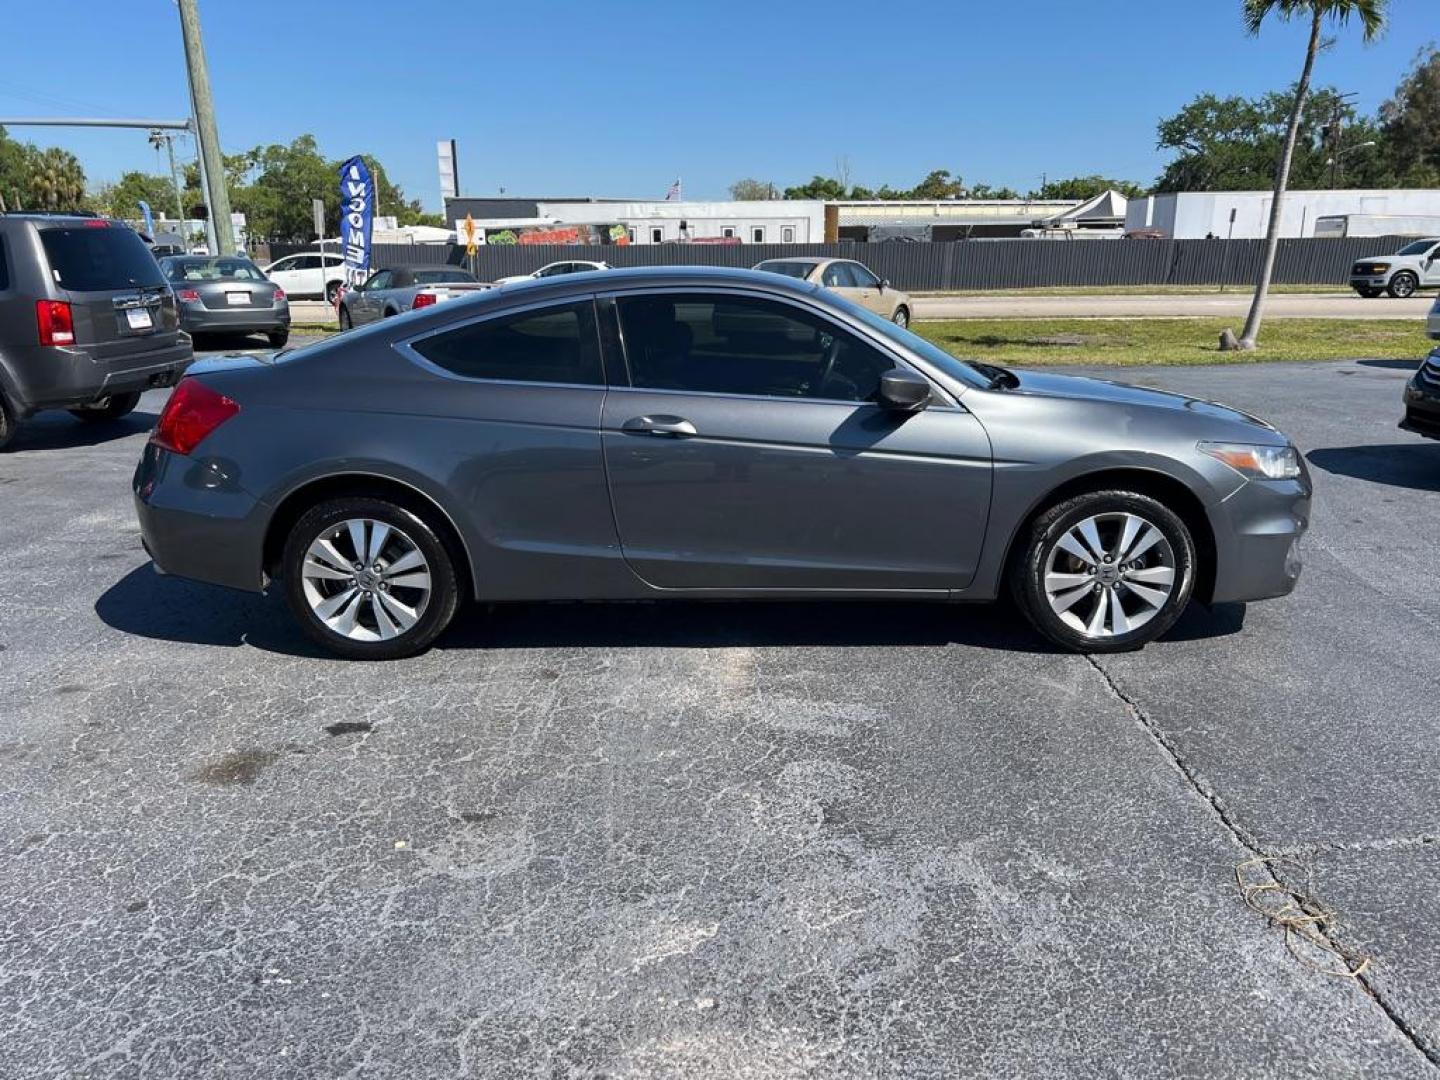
{"x": 57, "y": 325}
{"x": 423, "y": 299}
{"x": 279, "y": 293}
{"x": 193, "y": 412}
{"x": 188, "y": 296}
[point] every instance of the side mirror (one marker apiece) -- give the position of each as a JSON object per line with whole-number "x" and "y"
{"x": 884, "y": 284}
{"x": 903, "y": 391}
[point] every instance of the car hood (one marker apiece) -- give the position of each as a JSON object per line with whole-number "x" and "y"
{"x": 1084, "y": 388}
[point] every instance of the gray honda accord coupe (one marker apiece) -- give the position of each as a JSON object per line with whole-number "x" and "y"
{"x": 697, "y": 433}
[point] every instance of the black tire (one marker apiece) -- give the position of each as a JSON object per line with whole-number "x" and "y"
{"x": 332, "y": 290}
{"x": 1043, "y": 537}
{"x": 345, "y": 321}
{"x": 1369, "y": 294}
{"x": 116, "y": 406}
{"x": 1403, "y": 285}
{"x": 327, "y": 518}
{"x": 278, "y": 338}
{"x": 901, "y": 317}
{"x": 9, "y": 424}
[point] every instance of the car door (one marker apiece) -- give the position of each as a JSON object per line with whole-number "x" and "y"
{"x": 748, "y": 453}
{"x": 284, "y": 274}
{"x": 1430, "y": 267}
{"x": 365, "y": 304}
{"x": 867, "y": 291}
{"x": 520, "y": 400}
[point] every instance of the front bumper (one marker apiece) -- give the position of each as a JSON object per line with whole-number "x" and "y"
{"x": 196, "y": 318}
{"x": 1422, "y": 399}
{"x": 1369, "y": 282}
{"x": 197, "y": 522}
{"x": 1257, "y": 554}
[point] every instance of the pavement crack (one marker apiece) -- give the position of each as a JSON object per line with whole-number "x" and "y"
{"x": 1247, "y": 840}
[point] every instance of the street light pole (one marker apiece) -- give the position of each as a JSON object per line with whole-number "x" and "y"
{"x": 212, "y": 164}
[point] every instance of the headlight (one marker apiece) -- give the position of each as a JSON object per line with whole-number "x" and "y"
{"x": 1254, "y": 461}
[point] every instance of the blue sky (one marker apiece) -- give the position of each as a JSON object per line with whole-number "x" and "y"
{"x": 620, "y": 98}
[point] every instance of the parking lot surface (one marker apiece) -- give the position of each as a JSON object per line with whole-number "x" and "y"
{"x": 718, "y": 840}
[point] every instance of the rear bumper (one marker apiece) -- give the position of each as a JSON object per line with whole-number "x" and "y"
{"x": 1257, "y": 553}
{"x": 198, "y": 319}
{"x": 58, "y": 378}
{"x": 196, "y": 522}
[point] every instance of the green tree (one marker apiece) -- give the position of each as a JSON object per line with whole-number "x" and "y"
{"x": 1371, "y": 14}
{"x": 748, "y": 190}
{"x": 819, "y": 187}
{"x": 985, "y": 191}
{"x": 1410, "y": 122}
{"x": 1087, "y": 187}
{"x": 122, "y": 199}
{"x": 938, "y": 184}
{"x": 54, "y": 179}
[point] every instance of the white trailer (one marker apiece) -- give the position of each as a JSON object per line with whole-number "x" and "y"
{"x": 1338, "y": 225}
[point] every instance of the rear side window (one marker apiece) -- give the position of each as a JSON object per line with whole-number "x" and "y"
{"x": 553, "y": 345}
{"x": 94, "y": 259}
{"x": 789, "y": 269}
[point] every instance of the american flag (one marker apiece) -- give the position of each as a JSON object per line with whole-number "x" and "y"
{"x": 673, "y": 195}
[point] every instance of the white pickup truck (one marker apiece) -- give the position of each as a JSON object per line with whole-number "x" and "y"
{"x": 1415, "y": 266}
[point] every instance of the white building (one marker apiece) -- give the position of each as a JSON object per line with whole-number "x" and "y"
{"x": 1194, "y": 215}
{"x": 655, "y": 221}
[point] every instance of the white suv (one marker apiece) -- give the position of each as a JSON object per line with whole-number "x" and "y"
{"x": 1415, "y": 266}
{"x": 305, "y": 275}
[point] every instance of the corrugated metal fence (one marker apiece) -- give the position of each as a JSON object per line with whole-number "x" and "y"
{"x": 974, "y": 264}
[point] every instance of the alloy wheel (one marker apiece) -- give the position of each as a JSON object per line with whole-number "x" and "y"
{"x": 1109, "y": 574}
{"x": 366, "y": 580}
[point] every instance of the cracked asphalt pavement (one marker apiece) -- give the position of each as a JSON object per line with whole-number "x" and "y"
{"x": 771, "y": 840}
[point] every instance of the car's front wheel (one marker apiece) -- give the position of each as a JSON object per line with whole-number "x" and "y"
{"x": 1403, "y": 285}
{"x": 345, "y": 321}
{"x": 1369, "y": 294}
{"x": 8, "y": 422}
{"x": 369, "y": 579}
{"x": 1106, "y": 571}
{"x": 277, "y": 338}
{"x": 901, "y": 318}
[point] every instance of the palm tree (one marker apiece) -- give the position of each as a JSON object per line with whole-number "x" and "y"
{"x": 1372, "y": 15}
{"x": 57, "y": 182}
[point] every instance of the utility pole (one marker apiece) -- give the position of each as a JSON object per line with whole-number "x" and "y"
{"x": 212, "y": 164}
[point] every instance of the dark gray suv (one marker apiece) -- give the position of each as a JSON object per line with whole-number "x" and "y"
{"x": 690, "y": 433}
{"x": 87, "y": 321}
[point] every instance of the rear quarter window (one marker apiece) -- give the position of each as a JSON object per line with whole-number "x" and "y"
{"x": 93, "y": 259}
{"x": 552, "y": 344}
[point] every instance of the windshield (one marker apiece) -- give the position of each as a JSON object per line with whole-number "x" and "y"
{"x": 98, "y": 257}
{"x": 1419, "y": 247}
{"x": 926, "y": 350}
{"x": 212, "y": 270}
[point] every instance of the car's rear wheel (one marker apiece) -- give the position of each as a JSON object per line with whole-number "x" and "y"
{"x": 278, "y": 338}
{"x": 368, "y": 579}
{"x": 1403, "y": 285}
{"x": 345, "y": 321}
{"x": 901, "y": 317}
{"x": 1106, "y": 571}
{"x": 332, "y": 291}
{"x": 111, "y": 408}
{"x": 8, "y": 422}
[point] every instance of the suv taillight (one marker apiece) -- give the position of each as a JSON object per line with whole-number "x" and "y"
{"x": 56, "y": 325}
{"x": 193, "y": 412}
{"x": 279, "y": 294}
{"x": 423, "y": 299}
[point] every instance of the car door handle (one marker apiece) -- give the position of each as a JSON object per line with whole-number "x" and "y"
{"x": 674, "y": 427}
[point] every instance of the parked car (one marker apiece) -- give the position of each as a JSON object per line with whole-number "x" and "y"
{"x": 227, "y": 294}
{"x": 555, "y": 269}
{"x": 87, "y": 321}
{"x": 398, "y": 289}
{"x": 310, "y": 275}
{"x": 1415, "y": 266}
{"x": 683, "y": 432}
{"x": 1422, "y": 398}
{"x": 852, "y": 280}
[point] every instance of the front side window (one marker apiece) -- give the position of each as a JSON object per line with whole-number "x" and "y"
{"x": 306, "y": 262}
{"x": 551, "y": 345}
{"x": 1417, "y": 248}
{"x": 745, "y": 345}
{"x": 837, "y": 276}
{"x": 862, "y": 277}
{"x": 378, "y": 280}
